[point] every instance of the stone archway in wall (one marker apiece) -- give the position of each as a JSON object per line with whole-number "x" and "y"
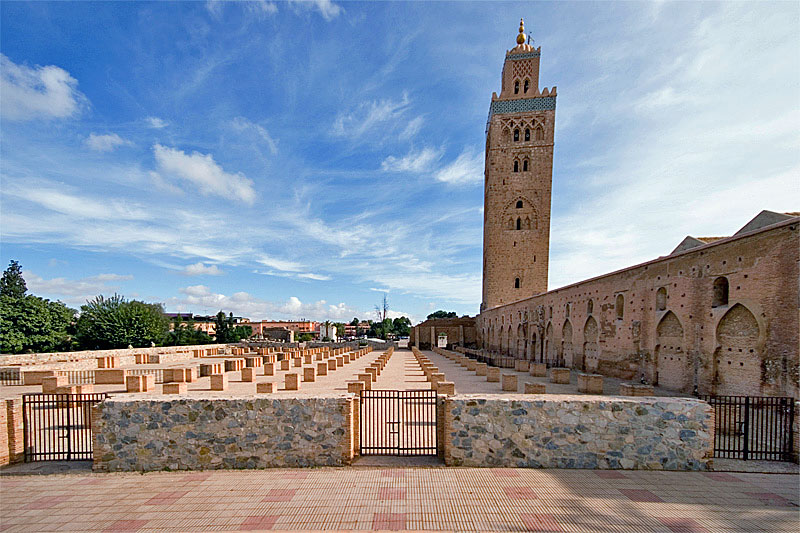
{"x": 672, "y": 363}
{"x": 510, "y": 343}
{"x": 566, "y": 345}
{"x": 520, "y": 354}
{"x": 738, "y": 359}
{"x": 591, "y": 359}
{"x": 534, "y": 347}
{"x": 549, "y": 349}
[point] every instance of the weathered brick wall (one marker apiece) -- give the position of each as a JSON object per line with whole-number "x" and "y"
{"x": 748, "y": 346}
{"x": 217, "y": 433}
{"x": 89, "y": 356}
{"x": 578, "y": 432}
{"x": 11, "y": 438}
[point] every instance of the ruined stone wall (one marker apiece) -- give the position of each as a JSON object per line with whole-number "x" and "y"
{"x": 659, "y": 319}
{"x": 216, "y": 433}
{"x": 88, "y": 357}
{"x": 561, "y": 431}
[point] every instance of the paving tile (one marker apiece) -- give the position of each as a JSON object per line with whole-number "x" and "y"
{"x": 46, "y": 502}
{"x": 258, "y": 522}
{"x": 640, "y": 495}
{"x": 683, "y": 525}
{"x": 279, "y": 495}
{"x": 166, "y": 498}
{"x": 610, "y": 474}
{"x": 722, "y": 476}
{"x": 540, "y": 522}
{"x": 386, "y": 493}
{"x": 126, "y": 525}
{"x": 519, "y": 493}
{"x": 389, "y": 521}
{"x": 770, "y": 498}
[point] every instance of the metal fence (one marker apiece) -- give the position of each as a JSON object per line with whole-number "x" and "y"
{"x": 10, "y": 377}
{"x": 157, "y": 372}
{"x": 395, "y": 422}
{"x": 753, "y": 427}
{"x": 58, "y": 427}
{"x": 78, "y": 377}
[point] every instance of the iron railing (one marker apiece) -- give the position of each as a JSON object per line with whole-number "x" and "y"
{"x": 10, "y": 377}
{"x": 58, "y": 427}
{"x": 753, "y": 427}
{"x": 398, "y": 422}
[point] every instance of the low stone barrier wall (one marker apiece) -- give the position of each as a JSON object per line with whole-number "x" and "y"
{"x": 564, "y": 431}
{"x": 92, "y": 355}
{"x": 147, "y": 434}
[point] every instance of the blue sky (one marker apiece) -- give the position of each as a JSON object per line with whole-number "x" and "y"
{"x": 297, "y": 159}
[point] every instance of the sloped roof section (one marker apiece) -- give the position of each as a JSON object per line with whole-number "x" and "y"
{"x": 763, "y": 219}
{"x": 687, "y": 243}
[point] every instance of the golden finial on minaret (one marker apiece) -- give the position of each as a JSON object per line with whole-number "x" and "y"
{"x": 521, "y": 36}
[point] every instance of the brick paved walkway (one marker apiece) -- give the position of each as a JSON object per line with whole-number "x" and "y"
{"x": 462, "y": 499}
{"x": 402, "y": 372}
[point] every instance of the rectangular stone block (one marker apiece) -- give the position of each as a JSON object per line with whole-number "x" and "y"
{"x": 435, "y": 378}
{"x": 448, "y": 388}
{"x": 35, "y": 377}
{"x": 373, "y": 372}
{"x": 520, "y": 365}
{"x": 292, "y": 381}
{"x": 264, "y": 388}
{"x": 86, "y": 388}
{"x": 174, "y": 388}
{"x": 331, "y": 364}
{"x": 355, "y": 386}
{"x": 471, "y": 364}
{"x": 219, "y": 382}
{"x": 340, "y": 361}
{"x": 559, "y": 375}
{"x": 309, "y": 374}
{"x": 285, "y": 364}
{"x": 148, "y": 383}
{"x": 636, "y": 389}
{"x": 366, "y": 378}
{"x": 590, "y": 383}
{"x": 538, "y": 370}
{"x": 133, "y": 384}
{"x": 318, "y": 357}
{"x": 253, "y": 362}
{"x": 65, "y": 389}
{"x": 111, "y": 376}
{"x": 346, "y": 359}
{"x": 234, "y": 365}
{"x": 248, "y": 374}
{"x": 481, "y": 369}
{"x": 322, "y": 369}
{"x": 298, "y": 362}
{"x": 269, "y": 369}
{"x": 210, "y": 369}
{"x": 534, "y": 388}
{"x": 50, "y": 384}
{"x": 509, "y": 382}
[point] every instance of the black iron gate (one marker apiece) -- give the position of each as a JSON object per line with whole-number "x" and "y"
{"x": 398, "y": 422}
{"x": 753, "y": 427}
{"x": 58, "y": 427}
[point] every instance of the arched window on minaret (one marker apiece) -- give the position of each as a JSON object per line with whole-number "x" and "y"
{"x": 539, "y": 133}
{"x": 516, "y": 283}
{"x": 516, "y": 166}
{"x": 519, "y": 204}
{"x": 516, "y": 134}
{"x": 527, "y": 134}
{"x": 527, "y": 222}
{"x": 519, "y": 223}
{"x": 525, "y": 165}
{"x": 526, "y": 85}
{"x": 516, "y": 87}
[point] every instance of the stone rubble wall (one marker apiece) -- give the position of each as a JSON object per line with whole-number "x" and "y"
{"x": 147, "y": 434}
{"x": 565, "y": 431}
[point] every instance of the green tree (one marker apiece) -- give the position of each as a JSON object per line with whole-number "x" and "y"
{"x": 34, "y": 324}
{"x": 117, "y": 323}
{"x": 30, "y": 323}
{"x": 12, "y": 283}
{"x": 442, "y": 314}
{"x": 354, "y": 322}
{"x": 227, "y": 330}
{"x": 339, "y": 329}
{"x": 401, "y": 326}
{"x": 304, "y": 337}
{"x": 184, "y": 333}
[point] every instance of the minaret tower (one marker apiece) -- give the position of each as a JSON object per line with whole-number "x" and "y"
{"x": 518, "y": 181}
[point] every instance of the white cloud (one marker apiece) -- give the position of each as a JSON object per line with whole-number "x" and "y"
{"x": 203, "y": 171}
{"x": 241, "y": 124}
{"x": 37, "y": 92}
{"x": 412, "y": 128}
{"x": 74, "y": 292}
{"x": 77, "y": 206}
{"x": 467, "y": 168}
{"x": 368, "y": 116}
{"x": 201, "y": 269}
{"x": 326, "y": 8}
{"x": 200, "y": 299}
{"x": 105, "y": 143}
{"x": 279, "y": 264}
{"x": 414, "y": 161}
{"x": 376, "y": 289}
{"x": 256, "y": 7}
{"x": 156, "y": 123}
